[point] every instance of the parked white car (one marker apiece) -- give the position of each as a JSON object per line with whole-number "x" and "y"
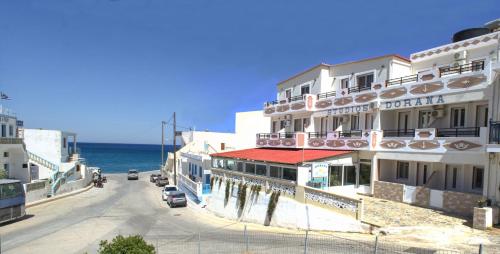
{"x": 167, "y": 191}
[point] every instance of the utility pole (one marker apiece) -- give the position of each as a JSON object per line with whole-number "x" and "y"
{"x": 175, "y": 151}
{"x": 162, "y": 144}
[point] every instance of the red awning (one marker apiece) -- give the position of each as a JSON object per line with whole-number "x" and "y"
{"x": 286, "y": 156}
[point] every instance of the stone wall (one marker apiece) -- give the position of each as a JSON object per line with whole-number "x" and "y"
{"x": 422, "y": 196}
{"x": 460, "y": 203}
{"x": 389, "y": 191}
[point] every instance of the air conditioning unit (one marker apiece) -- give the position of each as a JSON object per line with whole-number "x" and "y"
{"x": 438, "y": 113}
{"x": 372, "y": 105}
{"x": 459, "y": 58}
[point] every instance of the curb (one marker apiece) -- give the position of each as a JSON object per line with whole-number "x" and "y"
{"x": 47, "y": 200}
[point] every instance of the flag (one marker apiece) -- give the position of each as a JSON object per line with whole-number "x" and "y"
{"x": 4, "y": 96}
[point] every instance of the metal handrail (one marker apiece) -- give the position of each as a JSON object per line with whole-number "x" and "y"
{"x": 296, "y": 98}
{"x": 317, "y": 134}
{"x": 358, "y": 89}
{"x": 401, "y": 80}
{"x": 326, "y": 95}
{"x": 350, "y": 134}
{"x": 458, "y": 132}
{"x": 477, "y": 66}
{"x": 280, "y": 135}
{"x": 399, "y": 133}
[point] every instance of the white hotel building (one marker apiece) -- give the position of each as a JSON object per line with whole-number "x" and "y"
{"x": 423, "y": 130}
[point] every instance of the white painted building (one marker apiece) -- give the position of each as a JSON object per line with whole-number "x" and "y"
{"x": 13, "y": 156}
{"x": 419, "y": 128}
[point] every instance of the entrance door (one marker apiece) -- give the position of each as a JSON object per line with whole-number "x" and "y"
{"x": 403, "y": 121}
{"x": 423, "y": 172}
{"x": 482, "y": 116}
{"x": 424, "y": 119}
{"x": 457, "y": 118}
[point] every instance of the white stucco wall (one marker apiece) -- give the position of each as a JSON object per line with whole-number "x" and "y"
{"x": 17, "y": 159}
{"x": 247, "y": 125}
{"x": 288, "y": 213}
{"x": 44, "y": 143}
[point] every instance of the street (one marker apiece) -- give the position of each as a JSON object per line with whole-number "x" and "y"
{"x": 76, "y": 224}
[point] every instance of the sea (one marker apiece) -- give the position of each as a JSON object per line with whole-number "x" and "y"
{"x": 119, "y": 158}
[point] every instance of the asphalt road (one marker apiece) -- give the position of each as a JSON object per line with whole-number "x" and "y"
{"x": 78, "y": 223}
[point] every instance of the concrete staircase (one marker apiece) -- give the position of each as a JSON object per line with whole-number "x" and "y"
{"x": 54, "y": 169}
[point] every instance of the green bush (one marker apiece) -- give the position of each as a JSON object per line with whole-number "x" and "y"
{"x": 226, "y": 194}
{"x": 134, "y": 244}
{"x": 212, "y": 179}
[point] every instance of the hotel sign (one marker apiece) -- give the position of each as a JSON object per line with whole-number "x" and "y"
{"x": 414, "y": 102}
{"x": 344, "y": 110}
{"x": 320, "y": 169}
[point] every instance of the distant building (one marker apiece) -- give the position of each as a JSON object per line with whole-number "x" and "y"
{"x": 13, "y": 156}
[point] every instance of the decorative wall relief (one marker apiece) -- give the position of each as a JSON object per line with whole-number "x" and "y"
{"x": 335, "y": 143}
{"x": 392, "y": 144}
{"x": 466, "y": 82}
{"x": 274, "y": 142}
{"x": 357, "y": 143}
{"x": 424, "y": 144}
{"x": 316, "y": 142}
{"x": 426, "y": 88}
{"x": 367, "y": 97}
{"x": 343, "y": 101}
{"x": 288, "y": 142}
{"x": 282, "y": 108}
{"x": 298, "y": 105}
{"x": 270, "y": 110}
{"x": 261, "y": 142}
{"x": 462, "y": 145}
{"x": 393, "y": 93}
{"x": 324, "y": 104}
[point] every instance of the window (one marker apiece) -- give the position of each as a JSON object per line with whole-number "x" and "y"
{"x": 25, "y": 165}
{"x": 365, "y": 81}
{"x": 457, "y": 117}
{"x": 6, "y": 167}
{"x": 230, "y": 165}
{"x": 349, "y": 175}
{"x": 477, "y": 177}
{"x": 424, "y": 180}
{"x": 64, "y": 142}
{"x": 239, "y": 166}
{"x": 304, "y": 90}
{"x": 6, "y": 154}
{"x": 4, "y": 130}
{"x": 11, "y": 131}
{"x": 290, "y": 174}
{"x": 354, "y": 122}
{"x": 218, "y": 163}
{"x": 261, "y": 170}
{"x": 11, "y": 190}
{"x": 365, "y": 170}
{"x": 282, "y": 124}
{"x": 369, "y": 119}
{"x": 482, "y": 116}
{"x": 297, "y": 125}
{"x": 275, "y": 171}
{"x": 477, "y": 65}
{"x": 200, "y": 171}
{"x": 288, "y": 93}
{"x": 305, "y": 123}
{"x": 274, "y": 126}
{"x": 403, "y": 169}
{"x": 250, "y": 168}
{"x": 335, "y": 178}
{"x": 344, "y": 83}
{"x": 335, "y": 123}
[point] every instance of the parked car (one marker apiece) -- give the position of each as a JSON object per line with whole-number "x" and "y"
{"x": 154, "y": 177}
{"x": 133, "y": 174}
{"x": 167, "y": 190}
{"x": 162, "y": 181}
{"x": 176, "y": 198}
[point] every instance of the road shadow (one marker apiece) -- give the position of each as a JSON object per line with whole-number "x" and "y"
{"x": 25, "y": 217}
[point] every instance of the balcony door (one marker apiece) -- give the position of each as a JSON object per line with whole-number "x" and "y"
{"x": 482, "y": 116}
{"x": 424, "y": 118}
{"x": 403, "y": 121}
{"x": 423, "y": 173}
{"x": 323, "y": 125}
{"x": 457, "y": 118}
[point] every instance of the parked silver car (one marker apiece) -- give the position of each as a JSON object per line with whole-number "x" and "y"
{"x": 133, "y": 174}
{"x": 176, "y": 198}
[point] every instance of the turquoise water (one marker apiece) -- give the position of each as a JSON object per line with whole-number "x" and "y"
{"x": 118, "y": 158}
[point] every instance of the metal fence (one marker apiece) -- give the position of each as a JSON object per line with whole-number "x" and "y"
{"x": 250, "y": 242}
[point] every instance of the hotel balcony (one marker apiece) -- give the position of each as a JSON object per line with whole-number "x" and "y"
{"x": 299, "y": 103}
{"x": 430, "y": 140}
{"x": 434, "y": 140}
{"x": 338, "y": 140}
{"x": 434, "y": 86}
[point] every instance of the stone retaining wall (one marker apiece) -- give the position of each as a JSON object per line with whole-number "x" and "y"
{"x": 460, "y": 203}
{"x": 423, "y": 196}
{"x": 389, "y": 191}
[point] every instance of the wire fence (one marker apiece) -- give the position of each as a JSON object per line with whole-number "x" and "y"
{"x": 250, "y": 242}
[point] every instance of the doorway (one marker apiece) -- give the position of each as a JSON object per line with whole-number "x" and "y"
{"x": 424, "y": 119}
{"x": 482, "y": 116}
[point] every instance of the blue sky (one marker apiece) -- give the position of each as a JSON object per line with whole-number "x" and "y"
{"x": 113, "y": 70}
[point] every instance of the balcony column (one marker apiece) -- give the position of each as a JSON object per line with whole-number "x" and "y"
{"x": 374, "y": 172}
{"x": 74, "y": 143}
